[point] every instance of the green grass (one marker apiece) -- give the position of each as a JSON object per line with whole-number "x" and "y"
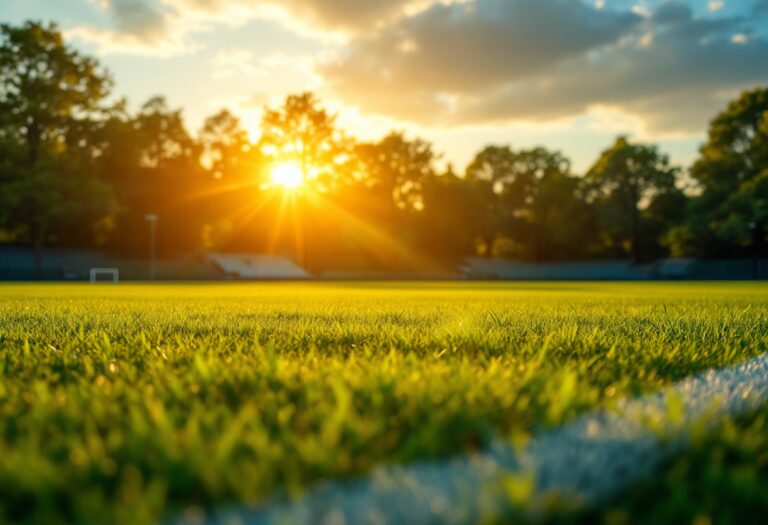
{"x": 721, "y": 478}
{"x": 121, "y": 404}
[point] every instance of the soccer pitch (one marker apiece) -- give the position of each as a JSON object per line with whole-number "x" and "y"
{"x": 130, "y": 403}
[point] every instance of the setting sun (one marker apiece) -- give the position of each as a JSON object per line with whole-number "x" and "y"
{"x": 288, "y": 175}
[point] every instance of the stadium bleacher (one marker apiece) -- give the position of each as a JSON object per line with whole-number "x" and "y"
{"x": 250, "y": 266}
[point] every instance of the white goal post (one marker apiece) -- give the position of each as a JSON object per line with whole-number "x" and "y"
{"x": 113, "y": 273}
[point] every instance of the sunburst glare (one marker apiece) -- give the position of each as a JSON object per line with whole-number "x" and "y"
{"x": 288, "y": 175}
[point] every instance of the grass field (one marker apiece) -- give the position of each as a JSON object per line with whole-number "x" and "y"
{"x": 122, "y": 404}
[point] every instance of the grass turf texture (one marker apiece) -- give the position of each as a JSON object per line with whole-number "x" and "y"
{"x": 721, "y": 478}
{"x": 123, "y": 403}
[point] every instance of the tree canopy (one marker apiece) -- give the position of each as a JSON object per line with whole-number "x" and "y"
{"x": 48, "y": 94}
{"x": 731, "y": 214}
{"x": 78, "y": 168}
{"x": 625, "y": 180}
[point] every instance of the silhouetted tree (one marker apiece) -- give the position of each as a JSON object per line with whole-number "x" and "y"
{"x": 533, "y": 200}
{"x": 731, "y": 214}
{"x": 73, "y": 167}
{"x": 156, "y": 169}
{"x": 454, "y": 218}
{"x": 46, "y": 90}
{"x": 302, "y": 131}
{"x": 226, "y": 149}
{"x": 625, "y": 180}
{"x": 494, "y": 166}
{"x": 560, "y": 221}
{"x": 396, "y": 167}
{"x": 237, "y": 176}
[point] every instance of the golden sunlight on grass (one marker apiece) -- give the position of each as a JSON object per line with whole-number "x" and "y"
{"x": 288, "y": 175}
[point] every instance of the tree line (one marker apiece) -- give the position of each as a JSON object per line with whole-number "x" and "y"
{"x": 78, "y": 169}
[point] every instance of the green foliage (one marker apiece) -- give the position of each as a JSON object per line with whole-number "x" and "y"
{"x": 121, "y": 404}
{"x": 44, "y": 84}
{"x": 628, "y": 183}
{"x": 227, "y": 150}
{"x": 732, "y": 171}
{"x": 158, "y": 171}
{"x": 48, "y": 93}
{"x": 396, "y": 168}
{"x": 533, "y": 200}
{"x": 721, "y": 478}
{"x": 456, "y": 211}
{"x": 363, "y": 205}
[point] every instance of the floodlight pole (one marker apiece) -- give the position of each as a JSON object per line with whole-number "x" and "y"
{"x": 151, "y": 219}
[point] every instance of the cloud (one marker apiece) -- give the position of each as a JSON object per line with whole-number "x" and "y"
{"x": 233, "y": 62}
{"x": 343, "y": 16}
{"x": 164, "y": 26}
{"x": 715, "y": 5}
{"x": 739, "y": 38}
{"x": 109, "y": 42}
{"x": 465, "y": 48}
{"x": 137, "y": 27}
{"x": 502, "y": 61}
{"x": 138, "y": 18}
{"x": 347, "y": 15}
{"x": 672, "y": 13}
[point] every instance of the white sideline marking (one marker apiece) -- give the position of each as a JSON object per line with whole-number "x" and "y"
{"x": 591, "y": 458}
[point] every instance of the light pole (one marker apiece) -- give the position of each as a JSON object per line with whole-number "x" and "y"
{"x": 151, "y": 218}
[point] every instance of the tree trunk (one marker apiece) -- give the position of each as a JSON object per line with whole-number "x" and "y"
{"x": 636, "y": 256}
{"x": 488, "y": 246}
{"x": 36, "y": 230}
{"x": 758, "y": 247}
{"x": 33, "y": 143}
{"x": 37, "y": 247}
{"x": 538, "y": 244}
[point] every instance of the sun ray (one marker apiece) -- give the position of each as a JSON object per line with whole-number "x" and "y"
{"x": 373, "y": 239}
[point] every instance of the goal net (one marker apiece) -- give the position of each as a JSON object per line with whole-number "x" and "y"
{"x": 110, "y": 275}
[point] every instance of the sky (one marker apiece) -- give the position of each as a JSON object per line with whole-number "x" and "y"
{"x": 570, "y": 75}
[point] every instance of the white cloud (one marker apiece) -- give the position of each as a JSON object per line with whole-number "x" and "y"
{"x": 109, "y": 42}
{"x": 563, "y": 59}
{"x": 231, "y": 62}
{"x": 641, "y": 9}
{"x": 646, "y": 40}
{"x": 141, "y": 26}
{"x": 716, "y": 5}
{"x": 739, "y": 38}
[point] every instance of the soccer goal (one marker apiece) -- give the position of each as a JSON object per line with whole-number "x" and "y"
{"x": 110, "y": 274}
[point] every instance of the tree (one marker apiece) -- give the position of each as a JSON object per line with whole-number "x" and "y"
{"x": 303, "y": 132}
{"x": 625, "y": 180}
{"x": 226, "y": 149}
{"x": 494, "y": 167}
{"x": 454, "y": 218}
{"x": 237, "y": 177}
{"x": 531, "y": 196}
{"x": 396, "y": 167}
{"x": 731, "y": 214}
{"x": 47, "y": 89}
{"x": 160, "y": 174}
{"x": 559, "y": 220}
{"x": 166, "y": 142}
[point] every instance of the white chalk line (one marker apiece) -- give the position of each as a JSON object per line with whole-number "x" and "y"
{"x": 594, "y": 457}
